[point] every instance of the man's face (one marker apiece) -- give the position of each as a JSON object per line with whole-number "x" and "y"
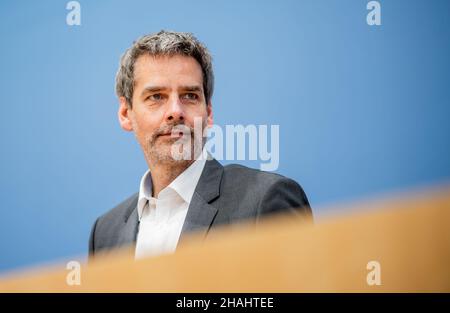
{"x": 168, "y": 91}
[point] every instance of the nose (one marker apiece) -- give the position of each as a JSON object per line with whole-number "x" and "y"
{"x": 174, "y": 112}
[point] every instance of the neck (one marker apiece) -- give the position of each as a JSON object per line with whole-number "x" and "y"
{"x": 163, "y": 173}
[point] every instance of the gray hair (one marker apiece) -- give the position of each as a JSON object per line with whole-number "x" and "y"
{"x": 161, "y": 44}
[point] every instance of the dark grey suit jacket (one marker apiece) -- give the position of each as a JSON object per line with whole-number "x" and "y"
{"x": 224, "y": 195}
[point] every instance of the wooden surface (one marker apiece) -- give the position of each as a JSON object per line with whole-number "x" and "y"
{"x": 409, "y": 236}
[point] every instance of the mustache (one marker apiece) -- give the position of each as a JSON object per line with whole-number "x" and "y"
{"x": 168, "y": 129}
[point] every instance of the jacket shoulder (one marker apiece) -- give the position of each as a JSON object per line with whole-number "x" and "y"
{"x": 258, "y": 193}
{"x": 104, "y": 230}
{"x": 243, "y": 173}
{"x": 121, "y": 211}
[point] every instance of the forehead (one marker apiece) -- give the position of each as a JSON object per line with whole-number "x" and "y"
{"x": 168, "y": 71}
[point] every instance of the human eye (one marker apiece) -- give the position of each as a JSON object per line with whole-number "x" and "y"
{"x": 155, "y": 97}
{"x": 190, "y": 96}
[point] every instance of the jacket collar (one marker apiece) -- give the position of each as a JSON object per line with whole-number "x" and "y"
{"x": 200, "y": 214}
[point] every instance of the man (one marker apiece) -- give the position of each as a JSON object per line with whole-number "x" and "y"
{"x": 164, "y": 84}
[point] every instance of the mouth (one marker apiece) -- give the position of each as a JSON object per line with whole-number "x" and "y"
{"x": 175, "y": 134}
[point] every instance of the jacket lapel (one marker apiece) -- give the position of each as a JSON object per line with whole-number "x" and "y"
{"x": 131, "y": 224}
{"x": 201, "y": 214}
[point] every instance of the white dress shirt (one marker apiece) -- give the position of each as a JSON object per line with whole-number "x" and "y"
{"x": 161, "y": 219}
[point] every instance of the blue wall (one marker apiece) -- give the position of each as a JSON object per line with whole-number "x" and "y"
{"x": 362, "y": 110}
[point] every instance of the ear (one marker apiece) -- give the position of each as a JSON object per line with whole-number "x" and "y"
{"x": 210, "y": 119}
{"x": 124, "y": 115}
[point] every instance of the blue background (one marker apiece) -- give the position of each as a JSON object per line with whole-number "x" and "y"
{"x": 363, "y": 111}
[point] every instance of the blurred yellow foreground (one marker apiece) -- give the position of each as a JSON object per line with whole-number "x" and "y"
{"x": 401, "y": 244}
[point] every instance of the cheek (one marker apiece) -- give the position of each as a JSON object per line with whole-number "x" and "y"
{"x": 197, "y": 114}
{"x": 146, "y": 123}
{"x": 143, "y": 131}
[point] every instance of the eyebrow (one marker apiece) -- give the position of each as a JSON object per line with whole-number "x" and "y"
{"x": 191, "y": 88}
{"x": 150, "y": 89}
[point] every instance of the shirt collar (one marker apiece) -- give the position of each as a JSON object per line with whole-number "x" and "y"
{"x": 145, "y": 192}
{"x": 184, "y": 185}
{"x": 186, "y": 182}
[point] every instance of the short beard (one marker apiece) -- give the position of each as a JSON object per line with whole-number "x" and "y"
{"x": 162, "y": 153}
